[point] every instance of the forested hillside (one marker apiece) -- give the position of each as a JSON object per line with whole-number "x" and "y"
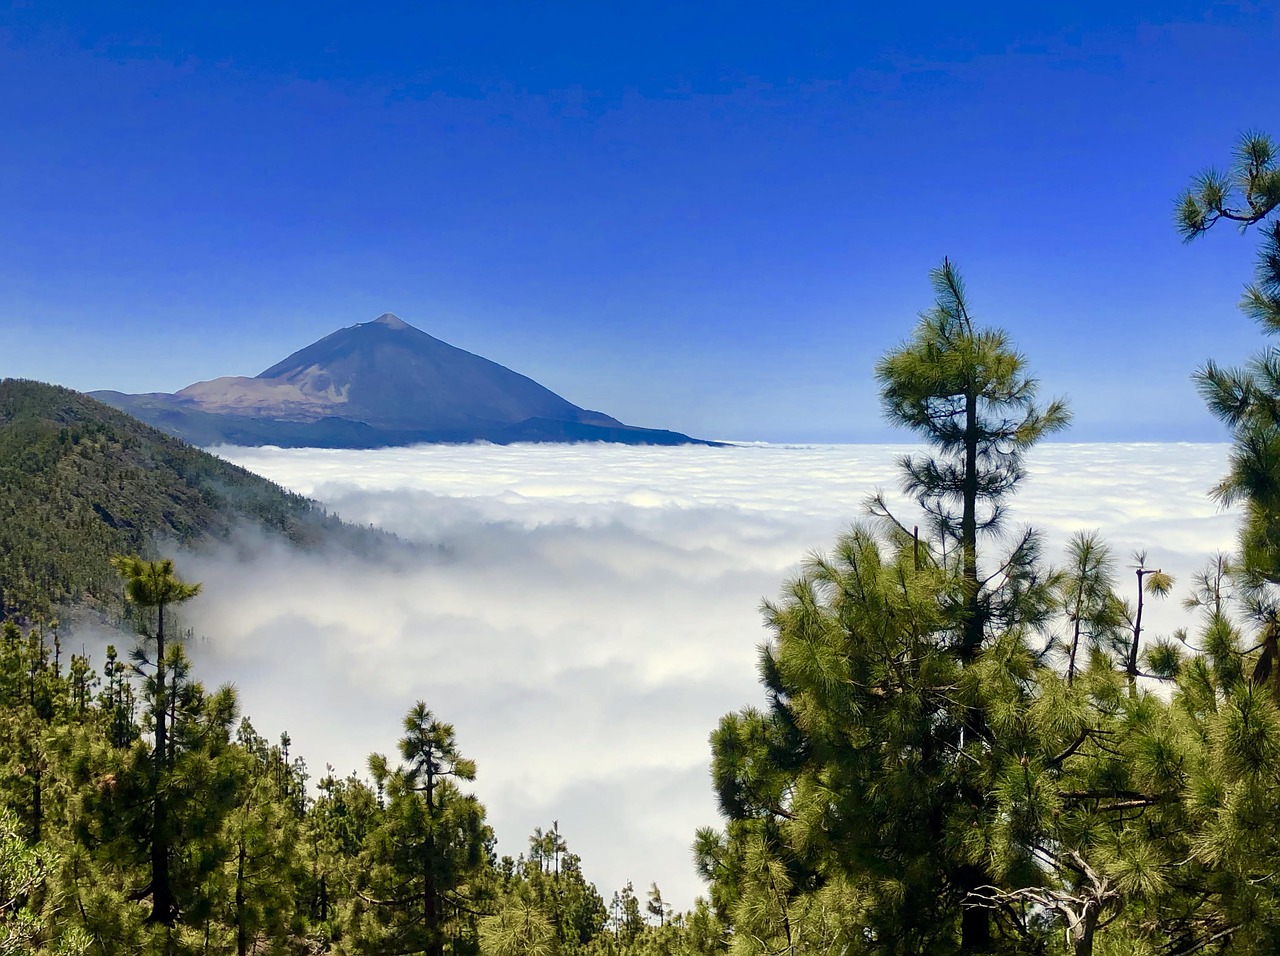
{"x": 80, "y": 481}
{"x": 139, "y": 813}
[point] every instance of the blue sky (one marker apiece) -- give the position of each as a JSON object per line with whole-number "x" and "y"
{"x": 707, "y": 217}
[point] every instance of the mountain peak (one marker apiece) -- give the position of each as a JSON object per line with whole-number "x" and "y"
{"x": 391, "y": 321}
{"x": 373, "y": 384}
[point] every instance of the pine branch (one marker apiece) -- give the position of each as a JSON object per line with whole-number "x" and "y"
{"x": 1128, "y": 798}
{"x": 1071, "y": 748}
{"x": 1204, "y": 942}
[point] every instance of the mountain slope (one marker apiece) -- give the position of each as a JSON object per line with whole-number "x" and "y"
{"x": 391, "y": 375}
{"x": 375, "y": 384}
{"x": 80, "y": 481}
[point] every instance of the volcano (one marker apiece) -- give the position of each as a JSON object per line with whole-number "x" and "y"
{"x": 374, "y": 385}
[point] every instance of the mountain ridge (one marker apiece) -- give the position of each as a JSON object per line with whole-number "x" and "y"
{"x": 81, "y": 481}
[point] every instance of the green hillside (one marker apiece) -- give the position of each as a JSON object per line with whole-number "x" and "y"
{"x": 80, "y": 481}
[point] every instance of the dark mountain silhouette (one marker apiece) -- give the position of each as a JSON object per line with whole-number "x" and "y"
{"x": 376, "y": 384}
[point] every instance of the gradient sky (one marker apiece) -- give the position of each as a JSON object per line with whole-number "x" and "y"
{"x": 711, "y": 217}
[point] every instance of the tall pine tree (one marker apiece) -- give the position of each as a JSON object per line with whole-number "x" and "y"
{"x": 153, "y": 585}
{"x": 964, "y": 390}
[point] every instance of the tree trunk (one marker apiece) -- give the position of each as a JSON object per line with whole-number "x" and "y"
{"x": 163, "y": 908}
{"x": 1265, "y": 671}
{"x": 973, "y": 625}
{"x": 975, "y": 921}
{"x": 430, "y": 899}
{"x": 1082, "y": 932}
{"x": 242, "y": 936}
{"x": 37, "y": 808}
{"x": 1131, "y": 668}
{"x": 1075, "y": 643}
{"x": 431, "y": 918}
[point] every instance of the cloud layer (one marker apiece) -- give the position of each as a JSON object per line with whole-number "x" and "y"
{"x": 591, "y": 611}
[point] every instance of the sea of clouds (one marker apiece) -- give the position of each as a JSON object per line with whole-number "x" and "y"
{"x": 585, "y": 614}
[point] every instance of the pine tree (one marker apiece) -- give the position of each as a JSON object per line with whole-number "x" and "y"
{"x": 655, "y": 906}
{"x": 428, "y": 858}
{"x": 552, "y": 877}
{"x": 338, "y": 826}
{"x": 1247, "y": 398}
{"x": 153, "y": 584}
{"x": 201, "y": 783}
{"x": 1153, "y": 582}
{"x": 1087, "y": 598}
{"x": 965, "y": 390}
{"x": 118, "y": 700}
{"x": 848, "y": 782}
{"x": 863, "y": 810}
{"x": 263, "y": 871}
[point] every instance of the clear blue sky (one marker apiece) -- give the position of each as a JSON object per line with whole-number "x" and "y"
{"x": 710, "y": 217}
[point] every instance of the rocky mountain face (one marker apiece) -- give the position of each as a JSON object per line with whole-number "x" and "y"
{"x": 376, "y": 384}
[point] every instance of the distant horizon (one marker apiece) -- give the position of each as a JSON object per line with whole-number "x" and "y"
{"x": 889, "y": 436}
{"x": 885, "y": 434}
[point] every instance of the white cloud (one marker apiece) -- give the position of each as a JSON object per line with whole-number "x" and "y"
{"x": 592, "y": 610}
